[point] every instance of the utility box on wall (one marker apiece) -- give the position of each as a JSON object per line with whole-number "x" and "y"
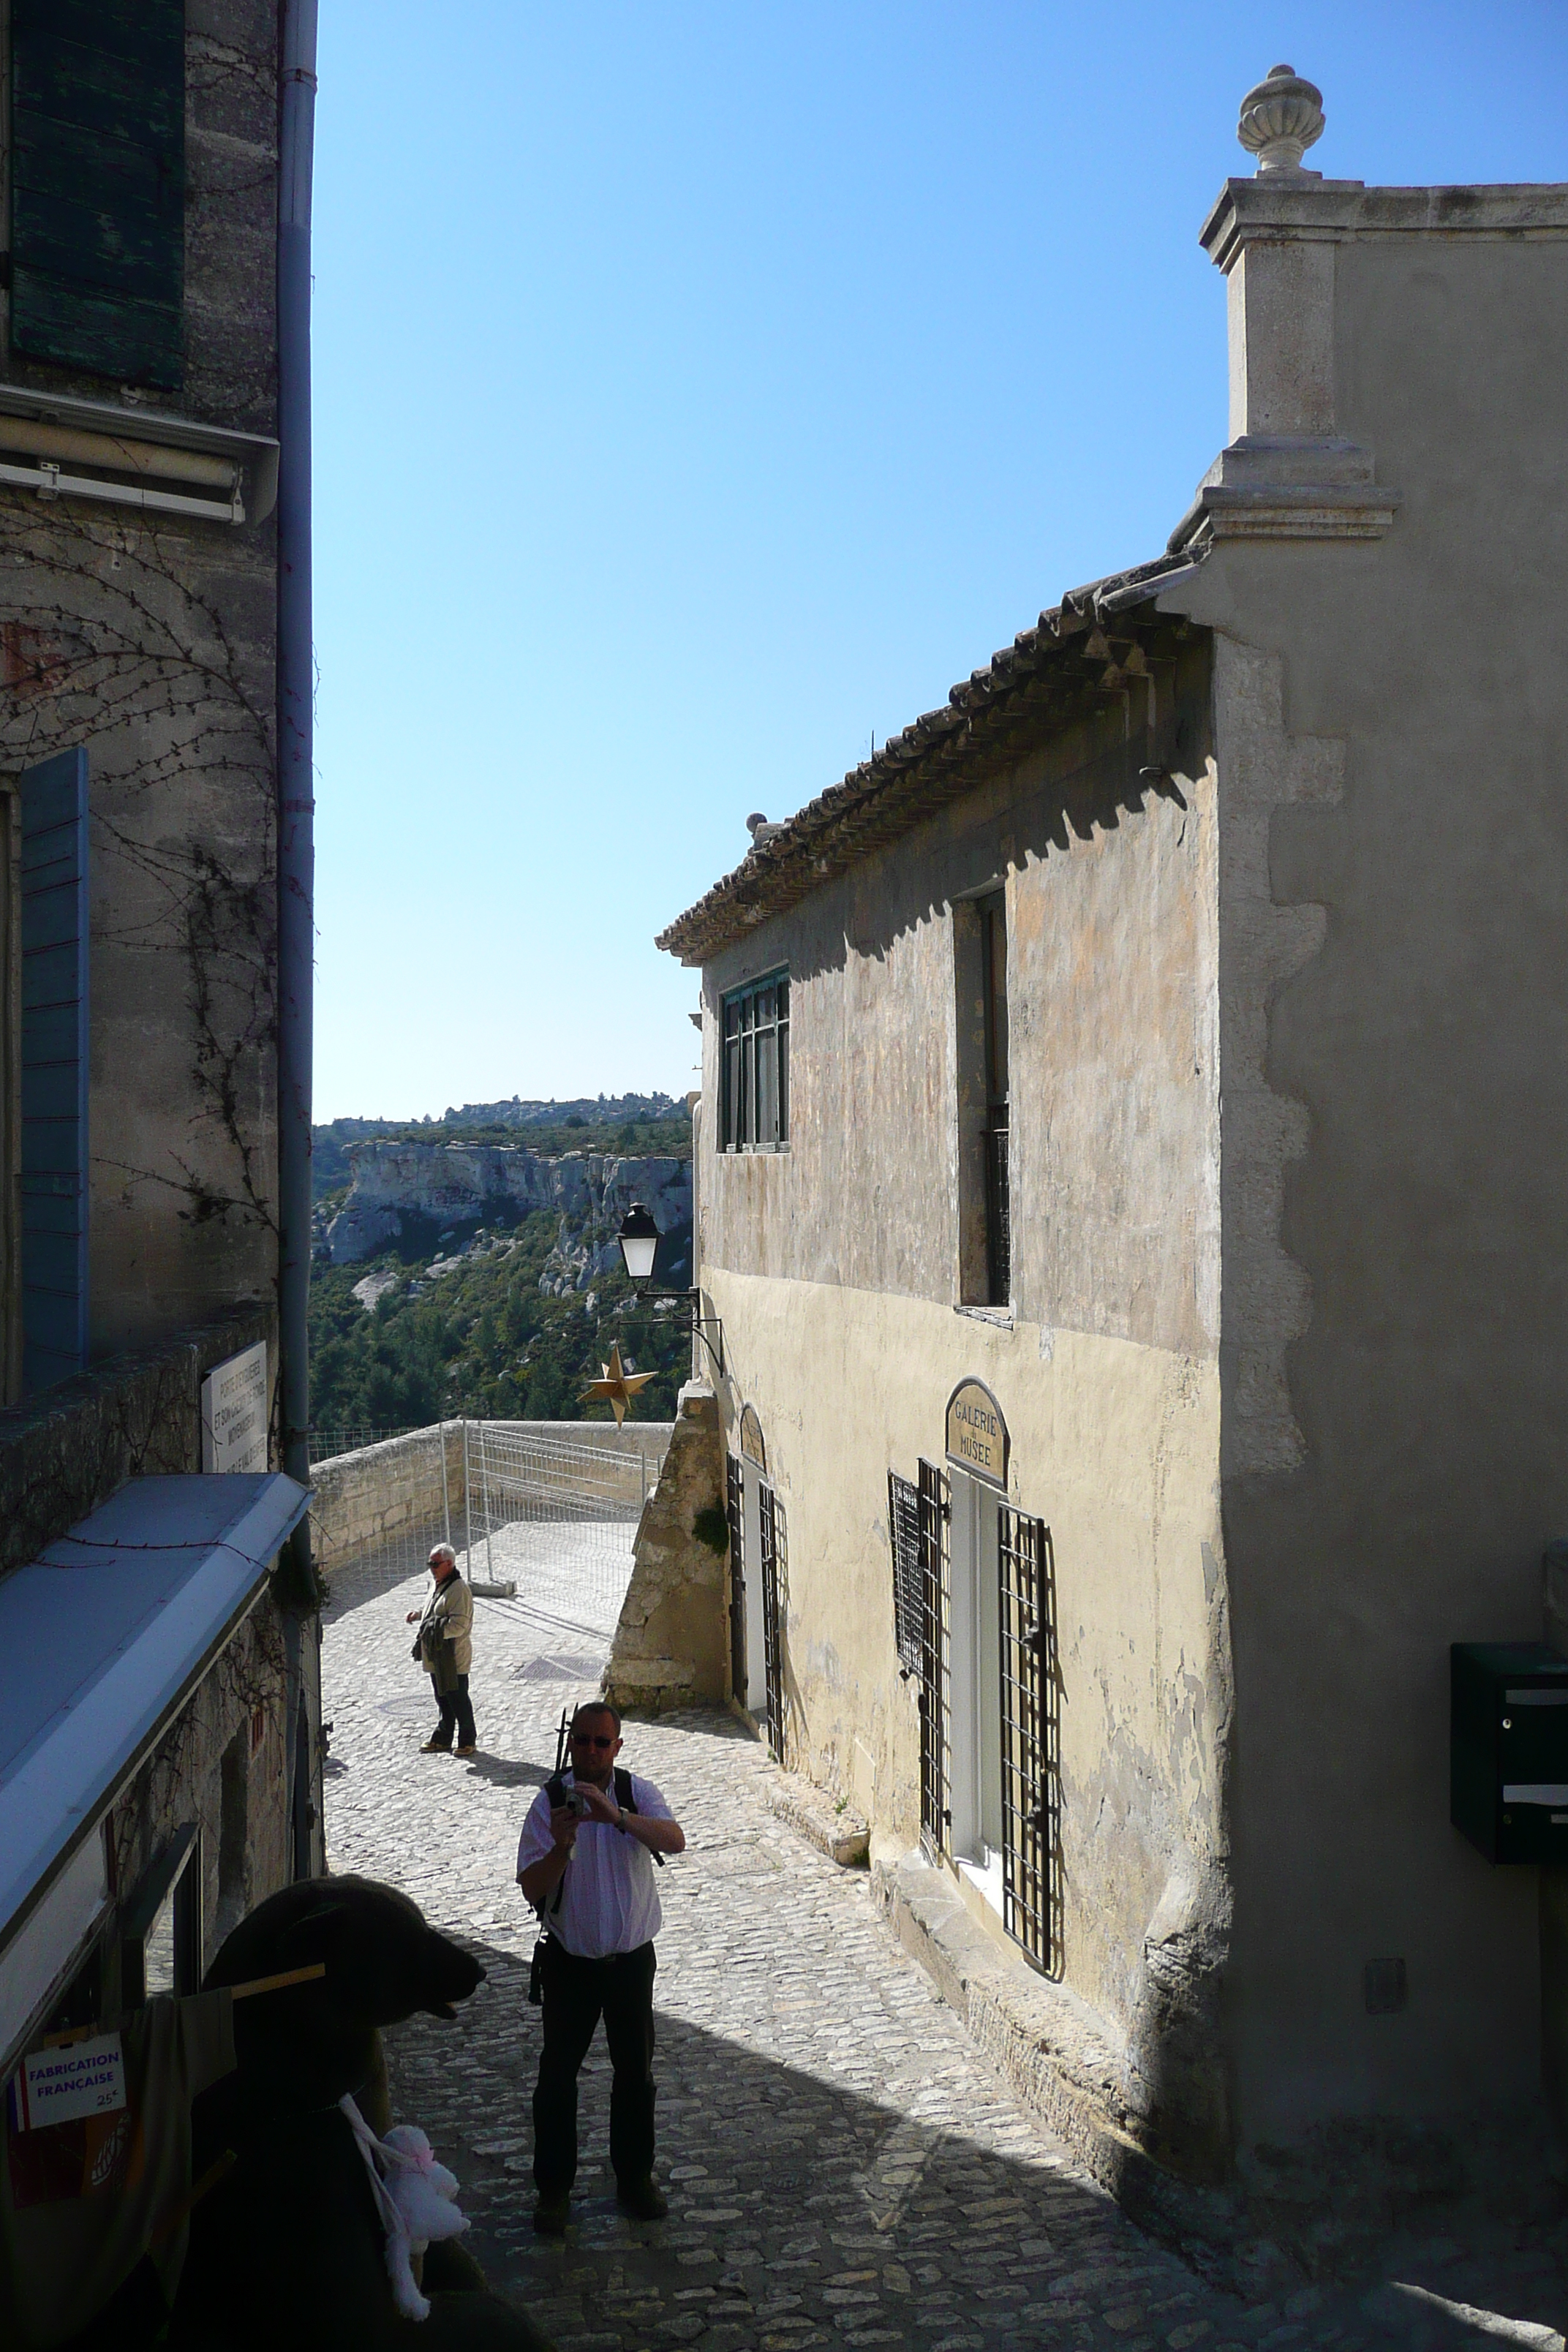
{"x": 1509, "y": 1776}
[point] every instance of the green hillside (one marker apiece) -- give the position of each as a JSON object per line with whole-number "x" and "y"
{"x": 480, "y": 1339}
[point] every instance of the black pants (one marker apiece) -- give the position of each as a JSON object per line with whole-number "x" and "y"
{"x": 577, "y": 1993}
{"x": 457, "y": 1715}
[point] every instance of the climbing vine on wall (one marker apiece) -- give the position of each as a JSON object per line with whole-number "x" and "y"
{"x": 130, "y": 639}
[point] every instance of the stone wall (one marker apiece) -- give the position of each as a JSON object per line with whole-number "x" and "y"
{"x": 136, "y": 1416}
{"x": 149, "y": 639}
{"x": 401, "y": 1490}
{"x": 672, "y": 1644}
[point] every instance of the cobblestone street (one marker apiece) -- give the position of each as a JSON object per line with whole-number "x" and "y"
{"x": 842, "y": 2165}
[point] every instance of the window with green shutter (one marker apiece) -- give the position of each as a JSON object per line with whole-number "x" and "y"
{"x": 97, "y": 185}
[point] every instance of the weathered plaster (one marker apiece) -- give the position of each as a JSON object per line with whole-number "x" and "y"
{"x": 1115, "y": 1443}
{"x": 671, "y": 1645}
{"x": 151, "y": 640}
{"x": 1394, "y": 865}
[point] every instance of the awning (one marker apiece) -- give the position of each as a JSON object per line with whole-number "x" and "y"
{"x": 100, "y": 1640}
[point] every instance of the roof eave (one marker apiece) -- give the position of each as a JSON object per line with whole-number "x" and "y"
{"x": 943, "y": 754}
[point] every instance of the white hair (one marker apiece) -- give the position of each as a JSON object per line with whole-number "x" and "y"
{"x": 443, "y": 1551}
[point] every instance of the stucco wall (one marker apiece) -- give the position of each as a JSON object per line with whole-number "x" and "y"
{"x": 1114, "y": 1443}
{"x": 1390, "y": 724}
{"x": 835, "y": 1268}
{"x": 1112, "y": 978}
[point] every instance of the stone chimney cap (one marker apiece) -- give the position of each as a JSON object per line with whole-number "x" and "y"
{"x": 1280, "y": 120}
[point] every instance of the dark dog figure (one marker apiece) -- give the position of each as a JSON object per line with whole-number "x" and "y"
{"x": 287, "y": 2248}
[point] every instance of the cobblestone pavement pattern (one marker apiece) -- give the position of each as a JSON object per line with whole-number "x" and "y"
{"x": 843, "y": 2165}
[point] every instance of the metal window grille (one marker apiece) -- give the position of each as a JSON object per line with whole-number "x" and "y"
{"x": 736, "y": 1510}
{"x": 909, "y": 1576}
{"x": 771, "y": 1521}
{"x": 755, "y": 1111}
{"x": 1031, "y": 1740}
{"x": 935, "y": 1512}
{"x": 998, "y": 1218}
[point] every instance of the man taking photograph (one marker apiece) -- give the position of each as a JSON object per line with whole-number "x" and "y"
{"x": 444, "y": 1648}
{"x": 585, "y": 1862}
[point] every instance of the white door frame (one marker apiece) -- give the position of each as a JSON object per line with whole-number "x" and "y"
{"x": 975, "y": 1796}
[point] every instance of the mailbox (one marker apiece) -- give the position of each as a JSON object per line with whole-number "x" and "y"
{"x": 1509, "y": 1785}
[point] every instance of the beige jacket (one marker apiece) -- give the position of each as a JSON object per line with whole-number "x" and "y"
{"x": 451, "y": 1606}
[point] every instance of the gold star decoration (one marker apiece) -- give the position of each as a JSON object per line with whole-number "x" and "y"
{"x": 617, "y": 1387}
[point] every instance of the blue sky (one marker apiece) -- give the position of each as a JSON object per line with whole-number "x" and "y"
{"x": 702, "y": 389}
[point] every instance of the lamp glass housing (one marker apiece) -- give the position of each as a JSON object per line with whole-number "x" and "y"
{"x": 639, "y": 1255}
{"x": 638, "y": 1238}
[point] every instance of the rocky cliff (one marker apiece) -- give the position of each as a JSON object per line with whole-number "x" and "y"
{"x": 399, "y": 1189}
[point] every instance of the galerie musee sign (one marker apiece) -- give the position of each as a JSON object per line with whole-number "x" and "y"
{"x": 977, "y": 1437}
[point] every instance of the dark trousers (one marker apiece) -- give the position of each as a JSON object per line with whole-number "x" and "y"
{"x": 577, "y": 1993}
{"x": 457, "y": 1715}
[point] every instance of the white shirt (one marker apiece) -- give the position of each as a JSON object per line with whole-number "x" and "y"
{"x": 609, "y": 1899}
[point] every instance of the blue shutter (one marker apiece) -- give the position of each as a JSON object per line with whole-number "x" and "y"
{"x": 54, "y": 1070}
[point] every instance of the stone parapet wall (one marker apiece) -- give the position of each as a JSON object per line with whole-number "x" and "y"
{"x": 366, "y": 1501}
{"x": 417, "y": 1485}
{"x": 648, "y": 1438}
{"x": 671, "y": 1647}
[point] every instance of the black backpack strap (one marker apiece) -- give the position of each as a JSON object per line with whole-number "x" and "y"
{"x": 627, "y": 1803}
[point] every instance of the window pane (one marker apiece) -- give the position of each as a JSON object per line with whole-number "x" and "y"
{"x": 995, "y": 942}
{"x": 754, "y": 1075}
{"x": 767, "y": 1086}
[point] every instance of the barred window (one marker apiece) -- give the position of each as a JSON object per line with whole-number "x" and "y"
{"x": 754, "y": 1077}
{"x": 909, "y": 1572}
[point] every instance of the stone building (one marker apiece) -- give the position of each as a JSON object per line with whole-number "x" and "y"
{"x": 159, "y": 1767}
{"x": 1128, "y": 1181}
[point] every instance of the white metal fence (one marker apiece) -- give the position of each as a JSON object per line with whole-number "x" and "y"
{"x": 542, "y": 1516}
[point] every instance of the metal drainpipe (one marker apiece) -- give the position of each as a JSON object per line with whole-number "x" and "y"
{"x": 296, "y": 888}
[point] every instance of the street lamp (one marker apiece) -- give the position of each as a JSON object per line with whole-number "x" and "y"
{"x": 638, "y": 1238}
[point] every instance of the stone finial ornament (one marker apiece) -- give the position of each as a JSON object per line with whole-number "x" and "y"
{"x": 1280, "y": 120}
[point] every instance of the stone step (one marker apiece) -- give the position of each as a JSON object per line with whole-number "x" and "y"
{"x": 830, "y": 1826}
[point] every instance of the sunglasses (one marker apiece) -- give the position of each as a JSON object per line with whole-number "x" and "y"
{"x": 590, "y": 1740}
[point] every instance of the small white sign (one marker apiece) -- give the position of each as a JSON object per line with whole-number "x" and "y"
{"x": 84, "y": 2078}
{"x": 233, "y": 1412}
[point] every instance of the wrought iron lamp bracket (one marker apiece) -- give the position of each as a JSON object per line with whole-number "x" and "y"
{"x": 698, "y": 1323}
